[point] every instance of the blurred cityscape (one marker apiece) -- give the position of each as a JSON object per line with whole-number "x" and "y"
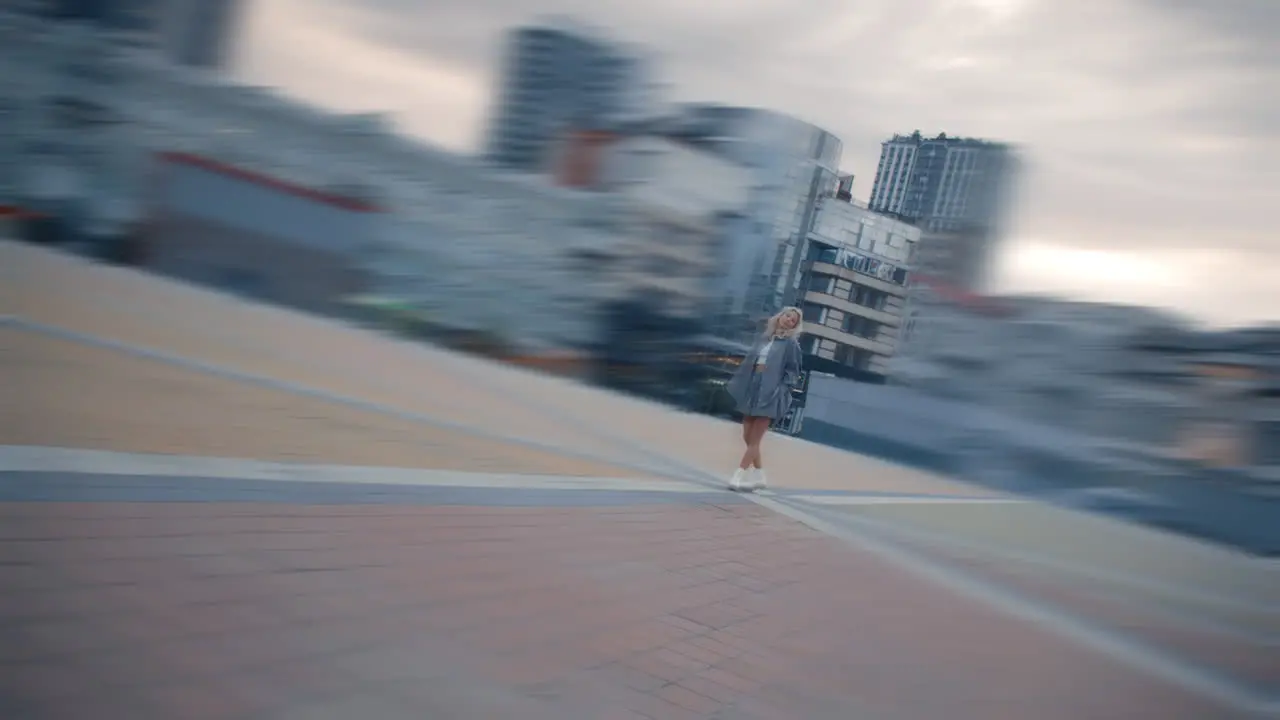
{"x": 607, "y": 234}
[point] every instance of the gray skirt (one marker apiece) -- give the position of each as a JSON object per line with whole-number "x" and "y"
{"x": 758, "y": 403}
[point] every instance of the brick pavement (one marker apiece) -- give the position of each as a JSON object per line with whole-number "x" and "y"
{"x": 1107, "y": 547}
{"x": 708, "y": 608}
{"x": 1239, "y": 641}
{"x": 314, "y": 605}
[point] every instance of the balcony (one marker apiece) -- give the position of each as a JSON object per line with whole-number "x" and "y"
{"x": 870, "y": 281}
{"x": 856, "y": 341}
{"x": 852, "y": 308}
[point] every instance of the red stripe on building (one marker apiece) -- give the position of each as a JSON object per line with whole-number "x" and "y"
{"x": 321, "y": 196}
{"x": 13, "y": 212}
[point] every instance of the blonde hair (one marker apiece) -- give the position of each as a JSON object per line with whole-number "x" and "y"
{"x": 772, "y": 330}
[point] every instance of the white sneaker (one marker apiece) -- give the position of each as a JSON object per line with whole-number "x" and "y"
{"x": 759, "y": 481}
{"x": 738, "y": 481}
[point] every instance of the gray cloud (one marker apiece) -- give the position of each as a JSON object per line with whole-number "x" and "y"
{"x": 1146, "y": 123}
{"x": 1248, "y": 27}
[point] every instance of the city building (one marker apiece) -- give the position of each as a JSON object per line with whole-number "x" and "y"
{"x": 792, "y": 165}
{"x": 1231, "y": 380}
{"x": 671, "y": 203}
{"x": 1077, "y": 367}
{"x": 92, "y": 166}
{"x": 844, "y": 187}
{"x": 504, "y": 255}
{"x": 477, "y": 250}
{"x": 197, "y": 33}
{"x": 63, "y": 140}
{"x": 957, "y": 190}
{"x": 1128, "y": 377}
{"x": 559, "y": 78}
{"x": 219, "y": 225}
{"x": 77, "y": 84}
{"x": 962, "y": 258}
{"x": 855, "y": 288}
{"x": 674, "y": 199}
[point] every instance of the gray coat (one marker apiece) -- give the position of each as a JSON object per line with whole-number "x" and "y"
{"x": 767, "y": 394}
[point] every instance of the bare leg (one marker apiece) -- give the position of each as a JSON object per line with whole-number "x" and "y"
{"x": 760, "y": 426}
{"x": 747, "y": 426}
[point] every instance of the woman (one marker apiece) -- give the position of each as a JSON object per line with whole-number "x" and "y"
{"x": 762, "y": 389}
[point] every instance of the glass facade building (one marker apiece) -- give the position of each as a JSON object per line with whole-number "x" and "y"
{"x": 792, "y": 165}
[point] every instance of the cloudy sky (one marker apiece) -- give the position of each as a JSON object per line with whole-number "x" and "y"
{"x": 1151, "y": 128}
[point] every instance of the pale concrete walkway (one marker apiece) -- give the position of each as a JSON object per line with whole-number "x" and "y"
{"x": 144, "y": 311}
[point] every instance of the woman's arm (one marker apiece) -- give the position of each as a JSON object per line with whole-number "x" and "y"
{"x": 794, "y": 366}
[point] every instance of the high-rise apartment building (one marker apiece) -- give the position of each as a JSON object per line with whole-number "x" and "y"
{"x": 199, "y": 33}
{"x": 956, "y": 190}
{"x": 558, "y": 79}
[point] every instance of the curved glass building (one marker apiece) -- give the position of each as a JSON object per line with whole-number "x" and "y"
{"x": 793, "y": 164}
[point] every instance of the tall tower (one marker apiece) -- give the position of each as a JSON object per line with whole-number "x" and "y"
{"x": 557, "y": 79}
{"x": 198, "y": 33}
{"x": 956, "y": 190}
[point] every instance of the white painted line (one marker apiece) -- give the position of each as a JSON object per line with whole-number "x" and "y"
{"x": 21, "y": 458}
{"x": 901, "y": 500}
{"x": 1188, "y": 676}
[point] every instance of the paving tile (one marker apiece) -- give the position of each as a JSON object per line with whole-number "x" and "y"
{"x": 366, "y": 705}
{"x": 1255, "y": 659}
{"x": 193, "y": 700}
{"x": 681, "y": 695}
{"x": 152, "y": 598}
{"x": 512, "y": 612}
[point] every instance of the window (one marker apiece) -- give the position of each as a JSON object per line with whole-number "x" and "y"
{"x": 828, "y": 255}
{"x": 861, "y": 326}
{"x": 869, "y": 297}
{"x": 852, "y": 357}
{"x": 812, "y": 313}
{"x": 821, "y": 283}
